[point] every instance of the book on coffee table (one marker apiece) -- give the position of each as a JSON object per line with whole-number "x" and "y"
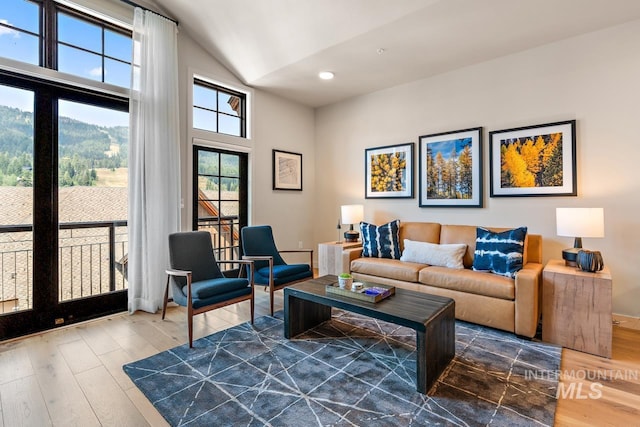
{"x": 368, "y": 292}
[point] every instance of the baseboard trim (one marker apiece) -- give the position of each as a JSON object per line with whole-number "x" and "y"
{"x": 628, "y": 322}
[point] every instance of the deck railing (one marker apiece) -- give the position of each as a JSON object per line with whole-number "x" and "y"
{"x": 225, "y": 234}
{"x": 92, "y": 261}
{"x": 92, "y": 258}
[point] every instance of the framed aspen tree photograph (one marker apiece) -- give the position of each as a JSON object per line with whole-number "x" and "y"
{"x": 535, "y": 160}
{"x": 451, "y": 169}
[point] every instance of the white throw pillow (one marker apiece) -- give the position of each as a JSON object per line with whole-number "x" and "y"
{"x": 433, "y": 254}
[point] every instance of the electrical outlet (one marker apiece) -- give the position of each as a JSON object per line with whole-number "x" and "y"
{"x": 300, "y": 244}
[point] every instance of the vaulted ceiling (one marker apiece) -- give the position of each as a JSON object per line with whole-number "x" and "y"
{"x": 281, "y": 45}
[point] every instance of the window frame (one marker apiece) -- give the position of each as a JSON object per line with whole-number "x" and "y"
{"x": 46, "y": 69}
{"x": 242, "y": 115}
{"x": 50, "y": 86}
{"x": 103, "y": 25}
{"x": 243, "y": 196}
{"x": 40, "y": 35}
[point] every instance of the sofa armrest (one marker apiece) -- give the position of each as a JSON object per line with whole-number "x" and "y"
{"x": 349, "y": 255}
{"x": 528, "y": 285}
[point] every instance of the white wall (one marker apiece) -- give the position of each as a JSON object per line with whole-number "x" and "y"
{"x": 594, "y": 78}
{"x": 277, "y": 123}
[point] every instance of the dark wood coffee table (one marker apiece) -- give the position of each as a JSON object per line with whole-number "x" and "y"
{"x": 307, "y": 304}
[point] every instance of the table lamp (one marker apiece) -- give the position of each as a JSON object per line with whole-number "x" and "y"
{"x": 578, "y": 223}
{"x": 351, "y": 214}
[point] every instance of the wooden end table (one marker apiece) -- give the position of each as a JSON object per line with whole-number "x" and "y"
{"x": 576, "y": 308}
{"x": 330, "y": 257}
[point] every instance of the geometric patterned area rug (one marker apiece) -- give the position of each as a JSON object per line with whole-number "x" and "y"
{"x": 349, "y": 371}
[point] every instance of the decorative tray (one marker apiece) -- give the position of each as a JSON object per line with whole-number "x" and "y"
{"x": 369, "y": 292}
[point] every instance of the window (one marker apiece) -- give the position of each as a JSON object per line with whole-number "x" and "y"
{"x": 20, "y": 31}
{"x": 220, "y": 198}
{"x": 218, "y": 109}
{"x": 89, "y": 48}
{"x": 83, "y": 45}
{"x": 63, "y": 166}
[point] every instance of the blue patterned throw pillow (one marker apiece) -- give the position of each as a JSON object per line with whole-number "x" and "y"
{"x": 381, "y": 241}
{"x": 499, "y": 253}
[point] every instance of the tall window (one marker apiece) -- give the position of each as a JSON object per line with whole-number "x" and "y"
{"x": 16, "y": 193}
{"x": 220, "y": 198}
{"x": 63, "y": 167}
{"x": 219, "y": 109}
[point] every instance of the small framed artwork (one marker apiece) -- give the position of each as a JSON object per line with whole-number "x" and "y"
{"x": 389, "y": 172}
{"x": 535, "y": 160}
{"x": 451, "y": 169}
{"x": 287, "y": 170}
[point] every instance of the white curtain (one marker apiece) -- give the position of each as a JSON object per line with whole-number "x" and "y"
{"x": 154, "y": 158}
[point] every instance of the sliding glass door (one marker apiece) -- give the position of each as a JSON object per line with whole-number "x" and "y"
{"x": 16, "y": 193}
{"x": 63, "y": 186}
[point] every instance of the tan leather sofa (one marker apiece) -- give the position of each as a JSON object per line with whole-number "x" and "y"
{"x": 485, "y": 298}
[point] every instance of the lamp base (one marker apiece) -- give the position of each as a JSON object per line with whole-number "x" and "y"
{"x": 351, "y": 236}
{"x": 570, "y": 256}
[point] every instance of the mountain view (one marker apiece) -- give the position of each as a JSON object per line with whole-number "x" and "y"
{"x": 84, "y": 149}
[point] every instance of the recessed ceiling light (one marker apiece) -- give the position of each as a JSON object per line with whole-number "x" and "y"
{"x": 326, "y": 75}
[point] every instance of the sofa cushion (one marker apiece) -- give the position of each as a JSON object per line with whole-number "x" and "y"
{"x": 389, "y": 268}
{"x": 466, "y": 234}
{"x": 475, "y": 282}
{"x": 434, "y": 254}
{"x": 381, "y": 241}
{"x": 499, "y": 252}
{"x": 421, "y": 232}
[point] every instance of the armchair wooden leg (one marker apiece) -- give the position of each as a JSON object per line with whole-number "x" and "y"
{"x": 252, "y": 304}
{"x": 271, "y": 298}
{"x": 190, "y": 322}
{"x": 271, "y": 285}
{"x": 166, "y": 297}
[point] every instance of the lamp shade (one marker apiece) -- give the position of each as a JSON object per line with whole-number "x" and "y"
{"x": 580, "y": 222}
{"x": 351, "y": 214}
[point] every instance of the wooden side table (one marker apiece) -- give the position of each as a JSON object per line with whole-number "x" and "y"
{"x": 330, "y": 257}
{"x": 576, "y": 308}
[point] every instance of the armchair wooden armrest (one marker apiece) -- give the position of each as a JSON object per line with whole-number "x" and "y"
{"x": 243, "y": 263}
{"x": 236, "y": 261}
{"x": 257, "y": 257}
{"x": 179, "y": 273}
{"x": 309, "y": 251}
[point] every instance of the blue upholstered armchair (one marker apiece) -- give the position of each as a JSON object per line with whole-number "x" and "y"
{"x": 270, "y": 269}
{"x": 198, "y": 283}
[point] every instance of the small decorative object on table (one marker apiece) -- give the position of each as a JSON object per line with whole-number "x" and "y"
{"x": 363, "y": 291}
{"x": 345, "y": 280}
{"x": 590, "y": 261}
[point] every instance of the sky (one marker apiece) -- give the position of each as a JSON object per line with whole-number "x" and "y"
{"x": 23, "y": 100}
{"x": 22, "y": 46}
{"x": 446, "y": 147}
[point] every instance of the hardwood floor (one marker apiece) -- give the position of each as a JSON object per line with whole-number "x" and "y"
{"x": 73, "y": 376}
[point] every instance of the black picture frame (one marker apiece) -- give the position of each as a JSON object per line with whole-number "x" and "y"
{"x": 460, "y": 151}
{"x": 389, "y": 171}
{"x": 287, "y": 170}
{"x": 538, "y": 160}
